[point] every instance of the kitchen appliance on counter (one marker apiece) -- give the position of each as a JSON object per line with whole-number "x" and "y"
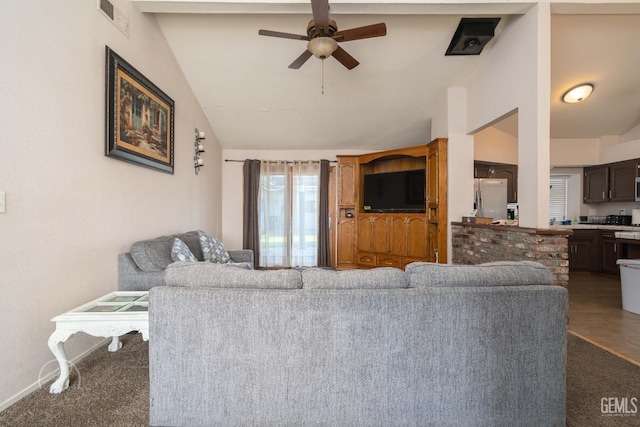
{"x": 618, "y": 220}
{"x": 491, "y": 197}
{"x": 635, "y": 217}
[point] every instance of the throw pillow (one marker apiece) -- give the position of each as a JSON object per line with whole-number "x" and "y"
{"x": 155, "y": 254}
{"x": 212, "y": 249}
{"x": 181, "y": 252}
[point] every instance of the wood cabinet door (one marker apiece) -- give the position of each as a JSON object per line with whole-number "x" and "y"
{"x": 345, "y": 249}
{"x": 433, "y": 177}
{"x": 347, "y": 185}
{"x": 609, "y": 252}
{"x": 622, "y": 181}
{"x": 398, "y": 238}
{"x": 365, "y": 233}
{"x": 510, "y": 173}
{"x": 581, "y": 255}
{"x": 381, "y": 230}
{"x": 481, "y": 170}
{"x": 595, "y": 184}
{"x": 416, "y": 236}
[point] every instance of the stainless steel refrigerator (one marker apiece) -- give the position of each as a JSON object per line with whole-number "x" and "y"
{"x": 491, "y": 197}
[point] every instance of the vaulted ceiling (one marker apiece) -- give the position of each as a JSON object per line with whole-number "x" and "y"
{"x": 253, "y": 101}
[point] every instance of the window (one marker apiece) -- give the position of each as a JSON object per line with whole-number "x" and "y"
{"x": 558, "y": 197}
{"x": 288, "y": 212}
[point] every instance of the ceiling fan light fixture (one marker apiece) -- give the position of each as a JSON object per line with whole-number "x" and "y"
{"x": 578, "y": 93}
{"x": 322, "y": 47}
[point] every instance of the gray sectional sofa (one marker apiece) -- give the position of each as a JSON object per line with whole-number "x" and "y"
{"x": 143, "y": 266}
{"x": 435, "y": 345}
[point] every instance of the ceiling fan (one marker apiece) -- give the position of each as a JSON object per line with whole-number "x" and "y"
{"x": 323, "y": 37}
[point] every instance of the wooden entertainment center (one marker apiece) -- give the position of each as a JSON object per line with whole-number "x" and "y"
{"x": 389, "y": 239}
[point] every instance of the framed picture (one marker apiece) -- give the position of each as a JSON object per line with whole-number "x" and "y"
{"x": 139, "y": 117}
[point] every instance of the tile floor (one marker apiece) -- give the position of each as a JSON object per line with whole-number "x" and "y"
{"x": 596, "y": 314}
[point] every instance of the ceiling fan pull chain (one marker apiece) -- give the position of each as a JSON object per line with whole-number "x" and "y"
{"x": 323, "y": 76}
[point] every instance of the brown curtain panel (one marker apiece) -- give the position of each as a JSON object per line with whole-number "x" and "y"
{"x": 324, "y": 250}
{"x": 251, "y": 185}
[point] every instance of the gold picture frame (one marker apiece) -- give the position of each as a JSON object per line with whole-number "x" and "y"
{"x": 139, "y": 117}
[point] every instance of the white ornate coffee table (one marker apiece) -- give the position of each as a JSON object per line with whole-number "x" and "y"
{"x": 112, "y": 315}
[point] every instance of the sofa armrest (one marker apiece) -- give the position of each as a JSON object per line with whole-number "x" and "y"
{"x": 241, "y": 255}
{"x": 132, "y": 278}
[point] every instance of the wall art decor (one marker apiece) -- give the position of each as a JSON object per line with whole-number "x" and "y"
{"x": 139, "y": 117}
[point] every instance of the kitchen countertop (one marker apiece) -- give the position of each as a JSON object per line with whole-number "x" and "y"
{"x": 598, "y": 227}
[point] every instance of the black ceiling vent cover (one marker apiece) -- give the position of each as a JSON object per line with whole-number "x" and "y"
{"x": 472, "y": 35}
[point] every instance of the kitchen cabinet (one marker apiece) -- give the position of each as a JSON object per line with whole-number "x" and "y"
{"x": 622, "y": 177}
{"x": 389, "y": 240}
{"x": 595, "y": 184}
{"x": 347, "y": 204}
{"x": 583, "y": 250}
{"x": 611, "y": 182}
{"x": 499, "y": 170}
{"x": 609, "y": 252}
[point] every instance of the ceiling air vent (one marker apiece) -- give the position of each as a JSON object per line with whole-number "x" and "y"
{"x": 114, "y": 15}
{"x": 472, "y": 35}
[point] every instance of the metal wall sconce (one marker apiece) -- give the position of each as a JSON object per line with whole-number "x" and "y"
{"x": 199, "y": 148}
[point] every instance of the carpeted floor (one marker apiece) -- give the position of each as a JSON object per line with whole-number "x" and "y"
{"x": 594, "y": 374}
{"x": 112, "y": 389}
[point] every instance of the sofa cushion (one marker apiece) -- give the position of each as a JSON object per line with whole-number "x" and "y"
{"x": 376, "y": 278}
{"x": 180, "y": 252}
{"x": 500, "y": 273}
{"x": 206, "y": 274}
{"x": 155, "y": 254}
{"x": 212, "y": 249}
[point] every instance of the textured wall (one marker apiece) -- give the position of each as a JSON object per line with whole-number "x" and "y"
{"x": 70, "y": 209}
{"x": 476, "y": 244}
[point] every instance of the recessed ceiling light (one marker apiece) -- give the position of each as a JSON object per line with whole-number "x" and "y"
{"x": 578, "y": 93}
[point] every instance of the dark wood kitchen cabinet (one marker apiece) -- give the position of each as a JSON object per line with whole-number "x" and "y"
{"x": 609, "y": 252}
{"x": 611, "y": 182}
{"x": 595, "y": 184}
{"x": 622, "y": 177}
{"x": 583, "y": 250}
{"x": 499, "y": 170}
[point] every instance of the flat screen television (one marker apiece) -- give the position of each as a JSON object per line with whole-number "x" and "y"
{"x": 402, "y": 191}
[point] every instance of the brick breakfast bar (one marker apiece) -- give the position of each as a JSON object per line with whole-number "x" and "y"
{"x": 479, "y": 243}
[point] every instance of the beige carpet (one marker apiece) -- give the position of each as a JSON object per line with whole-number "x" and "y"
{"x": 113, "y": 390}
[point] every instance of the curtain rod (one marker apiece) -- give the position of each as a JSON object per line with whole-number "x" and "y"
{"x": 315, "y": 161}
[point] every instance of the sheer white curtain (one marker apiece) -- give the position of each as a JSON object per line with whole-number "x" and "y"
{"x": 288, "y": 204}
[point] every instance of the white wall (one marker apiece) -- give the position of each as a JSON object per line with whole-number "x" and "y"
{"x": 574, "y": 151}
{"x": 451, "y": 123}
{"x": 494, "y": 145}
{"x": 516, "y": 77}
{"x": 70, "y": 209}
{"x": 231, "y": 233}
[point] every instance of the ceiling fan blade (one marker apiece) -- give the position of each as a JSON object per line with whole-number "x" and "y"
{"x": 368, "y": 31}
{"x": 283, "y": 35}
{"x": 344, "y": 58}
{"x": 320, "y": 10}
{"x": 301, "y": 60}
